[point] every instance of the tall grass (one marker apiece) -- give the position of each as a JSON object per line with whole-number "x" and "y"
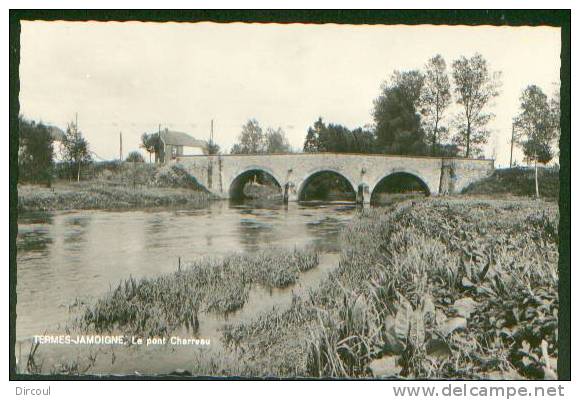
{"x": 519, "y": 181}
{"x": 434, "y": 289}
{"x": 126, "y": 186}
{"x": 158, "y": 306}
{"x": 438, "y": 288}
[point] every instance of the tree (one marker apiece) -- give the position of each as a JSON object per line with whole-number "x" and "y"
{"x": 363, "y": 141}
{"x": 536, "y": 128}
{"x": 75, "y": 149}
{"x": 475, "y": 88}
{"x": 555, "y": 112}
{"x": 35, "y": 152}
{"x": 213, "y": 148}
{"x": 251, "y": 140}
{"x": 151, "y": 143}
{"x": 312, "y": 142}
{"x": 398, "y": 127}
{"x": 334, "y": 138}
{"x": 276, "y": 141}
{"x": 434, "y": 100}
{"x": 338, "y": 139}
{"x": 135, "y": 157}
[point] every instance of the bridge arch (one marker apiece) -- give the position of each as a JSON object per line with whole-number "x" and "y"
{"x": 307, "y": 179}
{"x": 400, "y": 179}
{"x": 241, "y": 177}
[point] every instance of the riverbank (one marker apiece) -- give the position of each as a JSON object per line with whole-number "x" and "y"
{"x": 117, "y": 186}
{"x": 518, "y": 181}
{"x": 104, "y": 195}
{"x": 435, "y": 288}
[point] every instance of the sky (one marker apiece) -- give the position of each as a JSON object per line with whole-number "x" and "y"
{"x": 132, "y": 77}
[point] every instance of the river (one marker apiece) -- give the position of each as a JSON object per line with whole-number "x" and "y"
{"x": 69, "y": 255}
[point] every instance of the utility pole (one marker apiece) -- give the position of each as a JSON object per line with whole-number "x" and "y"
{"x": 512, "y": 145}
{"x": 120, "y": 146}
{"x": 210, "y": 145}
{"x": 159, "y": 143}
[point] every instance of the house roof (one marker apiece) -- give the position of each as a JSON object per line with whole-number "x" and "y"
{"x": 181, "y": 139}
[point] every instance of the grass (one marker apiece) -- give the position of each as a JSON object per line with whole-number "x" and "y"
{"x": 518, "y": 182}
{"x": 158, "y": 306}
{"x": 128, "y": 187}
{"x": 438, "y": 289}
{"x": 428, "y": 289}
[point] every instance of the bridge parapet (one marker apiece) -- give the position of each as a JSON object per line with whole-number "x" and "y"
{"x": 363, "y": 171}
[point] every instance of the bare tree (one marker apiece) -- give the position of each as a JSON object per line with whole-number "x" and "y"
{"x": 475, "y": 88}
{"x": 434, "y": 100}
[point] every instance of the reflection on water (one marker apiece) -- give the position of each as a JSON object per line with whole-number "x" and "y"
{"x": 62, "y": 256}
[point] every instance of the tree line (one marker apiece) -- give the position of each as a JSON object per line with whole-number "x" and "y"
{"x": 256, "y": 140}
{"x": 36, "y": 151}
{"x": 411, "y": 116}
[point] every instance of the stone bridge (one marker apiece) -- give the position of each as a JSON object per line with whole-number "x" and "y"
{"x": 223, "y": 174}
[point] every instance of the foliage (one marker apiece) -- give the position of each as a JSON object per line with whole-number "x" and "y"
{"x": 518, "y": 182}
{"x": 336, "y": 138}
{"x": 537, "y": 125}
{"x": 135, "y": 157}
{"x": 158, "y": 306}
{"x": 433, "y": 289}
{"x": 436, "y": 289}
{"x": 75, "y": 150}
{"x": 475, "y": 89}
{"x": 151, "y": 143}
{"x": 435, "y": 98}
{"x": 396, "y": 114}
{"x": 461, "y": 290}
{"x": 35, "y": 152}
{"x": 213, "y": 148}
{"x": 311, "y": 143}
{"x": 445, "y": 150}
{"x": 276, "y": 141}
{"x": 115, "y": 185}
{"x": 253, "y": 140}
{"x": 102, "y": 195}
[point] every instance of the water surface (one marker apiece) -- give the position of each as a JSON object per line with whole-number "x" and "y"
{"x": 69, "y": 255}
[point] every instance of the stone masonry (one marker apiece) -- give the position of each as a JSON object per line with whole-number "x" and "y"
{"x": 218, "y": 173}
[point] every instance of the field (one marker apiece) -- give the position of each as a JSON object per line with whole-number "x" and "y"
{"x": 434, "y": 288}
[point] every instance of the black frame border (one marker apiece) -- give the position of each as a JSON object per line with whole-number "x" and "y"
{"x": 555, "y": 18}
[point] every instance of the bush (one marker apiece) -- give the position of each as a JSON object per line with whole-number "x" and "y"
{"x": 135, "y": 156}
{"x": 519, "y": 181}
{"x": 34, "y": 152}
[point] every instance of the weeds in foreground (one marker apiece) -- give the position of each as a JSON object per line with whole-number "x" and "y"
{"x": 158, "y": 306}
{"x": 435, "y": 289}
{"x": 461, "y": 290}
